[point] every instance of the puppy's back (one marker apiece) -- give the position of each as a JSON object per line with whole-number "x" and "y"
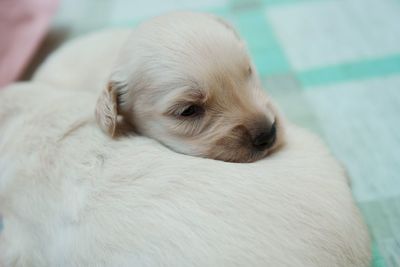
{"x": 84, "y": 63}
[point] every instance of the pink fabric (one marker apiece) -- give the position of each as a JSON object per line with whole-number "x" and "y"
{"x": 23, "y": 23}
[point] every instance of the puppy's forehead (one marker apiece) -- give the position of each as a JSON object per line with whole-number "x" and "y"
{"x": 185, "y": 52}
{"x": 182, "y": 22}
{"x": 185, "y": 37}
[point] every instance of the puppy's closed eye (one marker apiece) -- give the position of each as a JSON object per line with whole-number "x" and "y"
{"x": 191, "y": 105}
{"x": 183, "y": 111}
{"x": 192, "y": 111}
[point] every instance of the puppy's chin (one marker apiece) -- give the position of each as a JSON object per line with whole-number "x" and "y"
{"x": 238, "y": 147}
{"x": 233, "y": 151}
{"x": 244, "y": 155}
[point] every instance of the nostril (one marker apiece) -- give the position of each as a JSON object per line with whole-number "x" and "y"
{"x": 265, "y": 139}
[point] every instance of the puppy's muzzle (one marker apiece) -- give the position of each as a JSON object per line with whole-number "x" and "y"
{"x": 264, "y": 137}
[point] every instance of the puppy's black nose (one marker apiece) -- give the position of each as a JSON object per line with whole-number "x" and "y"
{"x": 265, "y": 138}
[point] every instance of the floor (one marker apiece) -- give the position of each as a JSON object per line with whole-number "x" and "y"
{"x": 332, "y": 65}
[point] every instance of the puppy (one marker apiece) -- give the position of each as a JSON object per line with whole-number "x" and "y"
{"x": 86, "y": 200}
{"x": 186, "y": 80}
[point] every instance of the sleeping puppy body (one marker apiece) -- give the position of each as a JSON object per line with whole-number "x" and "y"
{"x": 186, "y": 80}
{"x": 72, "y": 196}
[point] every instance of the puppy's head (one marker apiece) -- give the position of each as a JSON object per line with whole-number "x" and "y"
{"x": 186, "y": 80}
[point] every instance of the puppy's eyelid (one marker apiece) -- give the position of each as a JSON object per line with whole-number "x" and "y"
{"x": 192, "y": 96}
{"x": 177, "y": 109}
{"x": 171, "y": 111}
{"x": 197, "y": 96}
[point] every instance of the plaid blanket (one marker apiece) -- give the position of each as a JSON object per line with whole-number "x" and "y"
{"x": 332, "y": 65}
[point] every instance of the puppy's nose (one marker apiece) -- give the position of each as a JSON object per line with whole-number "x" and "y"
{"x": 264, "y": 138}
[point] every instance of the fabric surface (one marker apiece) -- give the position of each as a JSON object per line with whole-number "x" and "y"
{"x": 23, "y": 23}
{"x": 332, "y": 65}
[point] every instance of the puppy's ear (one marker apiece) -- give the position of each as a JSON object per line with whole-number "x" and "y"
{"x": 107, "y": 110}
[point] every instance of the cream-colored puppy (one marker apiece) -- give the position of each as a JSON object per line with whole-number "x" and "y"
{"x": 184, "y": 79}
{"x": 70, "y": 196}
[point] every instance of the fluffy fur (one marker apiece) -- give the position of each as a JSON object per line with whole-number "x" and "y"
{"x": 84, "y": 63}
{"x": 185, "y": 60}
{"x": 71, "y": 196}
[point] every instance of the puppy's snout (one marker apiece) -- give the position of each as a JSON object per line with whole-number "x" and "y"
{"x": 264, "y": 138}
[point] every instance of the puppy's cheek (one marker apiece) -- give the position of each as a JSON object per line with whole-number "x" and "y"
{"x": 237, "y": 148}
{"x": 231, "y": 150}
{"x": 239, "y": 156}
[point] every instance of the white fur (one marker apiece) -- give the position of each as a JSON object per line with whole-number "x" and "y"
{"x": 71, "y": 196}
{"x": 85, "y": 63}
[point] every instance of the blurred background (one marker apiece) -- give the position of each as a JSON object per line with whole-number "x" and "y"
{"x": 333, "y": 66}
